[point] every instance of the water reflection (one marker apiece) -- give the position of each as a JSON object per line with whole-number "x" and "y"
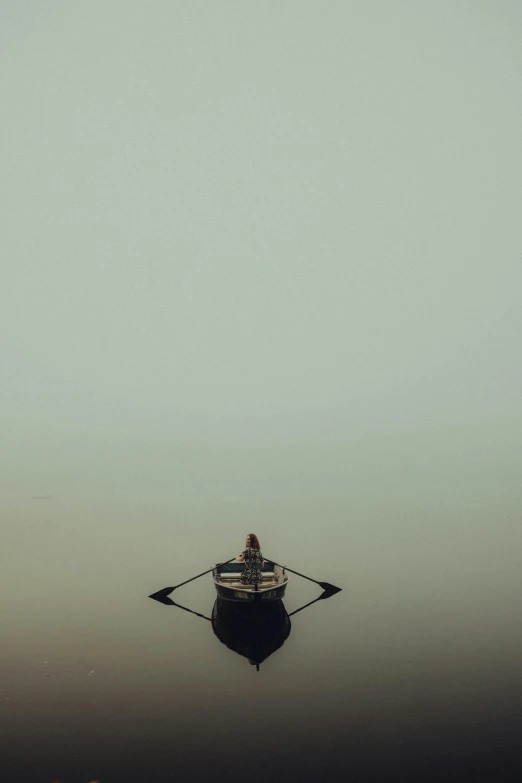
{"x": 254, "y": 630}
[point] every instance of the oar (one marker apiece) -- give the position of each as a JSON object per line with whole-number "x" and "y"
{"x": 326, "y": 594}
{"x": 331, "y": 589}
{"x": 167, "y": 590}
{"x": 163, "y": 598}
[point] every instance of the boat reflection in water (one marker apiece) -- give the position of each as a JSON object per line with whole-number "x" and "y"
{"x": 255, "y": 632}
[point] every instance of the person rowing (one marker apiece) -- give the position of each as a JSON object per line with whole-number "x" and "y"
{"x": 253, "y": 560}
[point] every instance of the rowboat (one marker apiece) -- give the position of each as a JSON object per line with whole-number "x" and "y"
{"x": 227, "y": 579}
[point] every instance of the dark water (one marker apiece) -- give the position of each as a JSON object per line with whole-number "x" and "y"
{"x": 411, "y": 673}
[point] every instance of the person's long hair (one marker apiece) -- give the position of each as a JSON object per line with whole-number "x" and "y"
{"x": 254, "y": 541}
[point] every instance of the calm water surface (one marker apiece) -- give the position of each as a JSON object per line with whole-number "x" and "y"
{"x": 412, "y": 672}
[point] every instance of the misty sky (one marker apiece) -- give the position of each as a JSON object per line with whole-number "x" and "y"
{"x": 227, "y": 227}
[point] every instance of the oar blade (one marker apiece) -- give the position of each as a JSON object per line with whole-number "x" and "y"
{"x": 329, "y": 590}
{"x": 163, "y": 596}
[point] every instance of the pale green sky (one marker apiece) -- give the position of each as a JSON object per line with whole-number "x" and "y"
{"x": 279, "y": 222}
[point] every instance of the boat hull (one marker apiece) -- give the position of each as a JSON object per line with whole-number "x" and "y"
{"x": 227, "y": 580}
{"x": 243, "y": 596}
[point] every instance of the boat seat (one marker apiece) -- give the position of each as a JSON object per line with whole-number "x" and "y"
{"x": 230, "y": 576}
{"x": 235, "y": 566}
